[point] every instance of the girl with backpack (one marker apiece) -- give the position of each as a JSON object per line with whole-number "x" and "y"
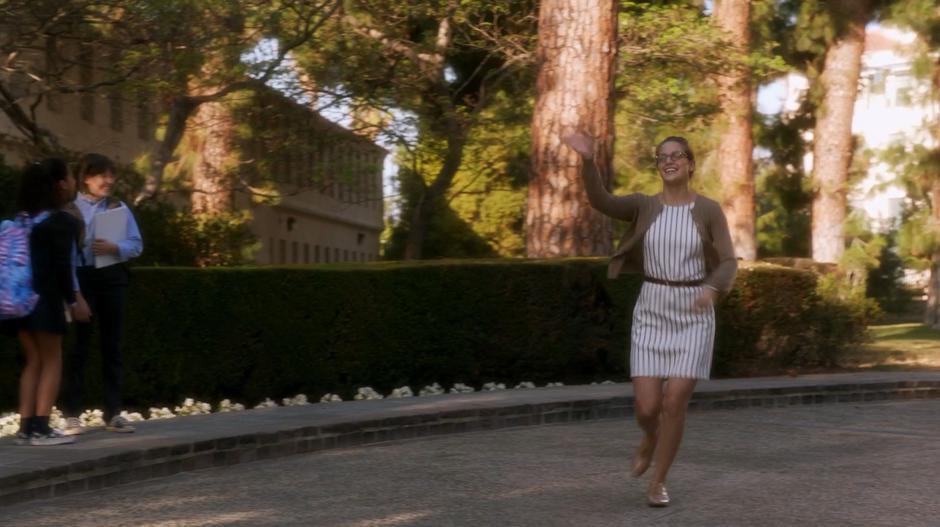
{"x": 46, "y": 186}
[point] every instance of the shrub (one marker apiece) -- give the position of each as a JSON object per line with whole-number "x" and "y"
{"x": 250, "y": 333}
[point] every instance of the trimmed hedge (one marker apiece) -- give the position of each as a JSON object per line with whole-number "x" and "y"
{"x": 250, "y": 333}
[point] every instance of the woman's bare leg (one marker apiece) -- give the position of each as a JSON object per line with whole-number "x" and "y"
{"x": 648, "y": 403}
{"x": 50, "y": 376}
{"x": 675, "y": 406}
{"x": 29, "y": 377}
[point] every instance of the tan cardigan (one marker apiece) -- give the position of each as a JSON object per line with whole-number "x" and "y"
{"x": 640, "y": 210}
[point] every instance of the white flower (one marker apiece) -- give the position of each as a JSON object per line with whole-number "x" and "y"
{"x": 91, "y": 418}
{"x": 461, "y": 388}
{"x": 434, "y": 389}
{"x": 9, "y": 424}
{"x": 131, "y": 416}
{"x": 398, "y": 393}
{"x": 297, "y": 400}
{"x": 56, "y": 420}
{"x": 525, "y": 385}
{"x": 161, "y": 413}
{"x": 331, "y": 398}
{"x": 492, "y": 386}
{"x": 266, "y": 403}
{"x": 367, "y": 393}
{"x": 193, "y": 407}
{"x": 228, "y": 406}
{"x": 554, "y": 384}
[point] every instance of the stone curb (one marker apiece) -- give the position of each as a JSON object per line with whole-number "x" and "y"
{"x": 107, "y": 468}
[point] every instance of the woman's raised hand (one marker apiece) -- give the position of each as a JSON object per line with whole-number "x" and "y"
{"x": 580, "y": 143}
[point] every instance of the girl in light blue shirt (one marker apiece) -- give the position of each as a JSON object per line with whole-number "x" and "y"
{"x": 105, "y": 290}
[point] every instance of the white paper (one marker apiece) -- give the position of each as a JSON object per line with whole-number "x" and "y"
{"x": 110, "y": 225}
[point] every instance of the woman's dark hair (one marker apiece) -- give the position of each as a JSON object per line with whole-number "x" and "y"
{"x": 683, "y": 143}
{"x": 39, "y": 188}
{"x": 92, "y": 164}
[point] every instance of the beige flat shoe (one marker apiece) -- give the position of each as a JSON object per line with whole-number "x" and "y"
{"x": 657, "y": 496}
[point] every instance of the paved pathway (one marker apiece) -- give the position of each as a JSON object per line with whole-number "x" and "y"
{"x": 853, "y": 464}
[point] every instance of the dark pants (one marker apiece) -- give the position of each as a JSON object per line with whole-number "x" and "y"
{"x": 105, "y": 290}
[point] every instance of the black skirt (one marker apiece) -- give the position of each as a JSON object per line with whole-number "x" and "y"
{"x": 48, "y": 316}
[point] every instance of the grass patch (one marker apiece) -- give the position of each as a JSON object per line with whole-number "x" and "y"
{"x": 909, "y": 346}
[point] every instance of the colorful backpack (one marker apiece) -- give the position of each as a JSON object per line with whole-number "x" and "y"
{"x": 17, "y": 297}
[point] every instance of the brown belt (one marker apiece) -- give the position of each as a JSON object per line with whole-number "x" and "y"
{"x": 670, "y": 283}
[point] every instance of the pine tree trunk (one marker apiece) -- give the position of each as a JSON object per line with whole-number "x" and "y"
{"x": 736, "y": 144}
{"x": 832, "y": 149}
{"x": 577, "y": 55}
{"x": 212, "y": 177}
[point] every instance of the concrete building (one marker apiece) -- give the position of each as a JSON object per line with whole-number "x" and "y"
{"x": 329, "y": 179}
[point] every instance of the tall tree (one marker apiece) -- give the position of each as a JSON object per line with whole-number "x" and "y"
{"x": 920, "y": 165}
{"x": 832, "y": 138}
{"x": 735, "y": 150}
{"x": 577, "y": 53}
{"x": 212, "y": 184}
{"x": 178, "y": 54}
{"x": 202, "y": 45}
{"x": 34, "y": 69}
{"x": 441, "y": 63}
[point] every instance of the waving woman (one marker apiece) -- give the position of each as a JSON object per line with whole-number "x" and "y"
{"x": 680, "y": 242}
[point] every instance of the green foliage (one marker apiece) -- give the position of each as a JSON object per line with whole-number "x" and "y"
{"x": 919, "y": 167}
{"x": 670, "y": 54}
{"x": 917, "y": 240}
{"x": 778, "y": 318}
{"x": 249, "y": 333}
{"x": 486, "y": 203}
{"x": 783, "y": 192}
{"x": 885, "y": 284}
{"x": 179, "y": 238}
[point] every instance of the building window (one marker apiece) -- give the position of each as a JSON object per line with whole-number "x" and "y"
{"x": 306, "y": 253}
{"x": 345, "y": 255}
{"x": 336, "y": 254}
{"x": 116, "y": 104}
{"x": 271, "y": 255}
{"x": 326, "y": 254}
{"x": 294, "y": 252}
{"x": 282, "y": 251}
{"x": 316, "y": 254}
{"x": 86, "y": 77}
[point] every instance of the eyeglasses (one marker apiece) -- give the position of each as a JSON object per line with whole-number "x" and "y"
{"x": 675, "y": 156}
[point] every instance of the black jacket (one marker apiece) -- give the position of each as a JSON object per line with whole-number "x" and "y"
{"x": 52, "y": 246}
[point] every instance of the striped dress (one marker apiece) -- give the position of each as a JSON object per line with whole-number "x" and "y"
{"x": 670, "y": 338}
